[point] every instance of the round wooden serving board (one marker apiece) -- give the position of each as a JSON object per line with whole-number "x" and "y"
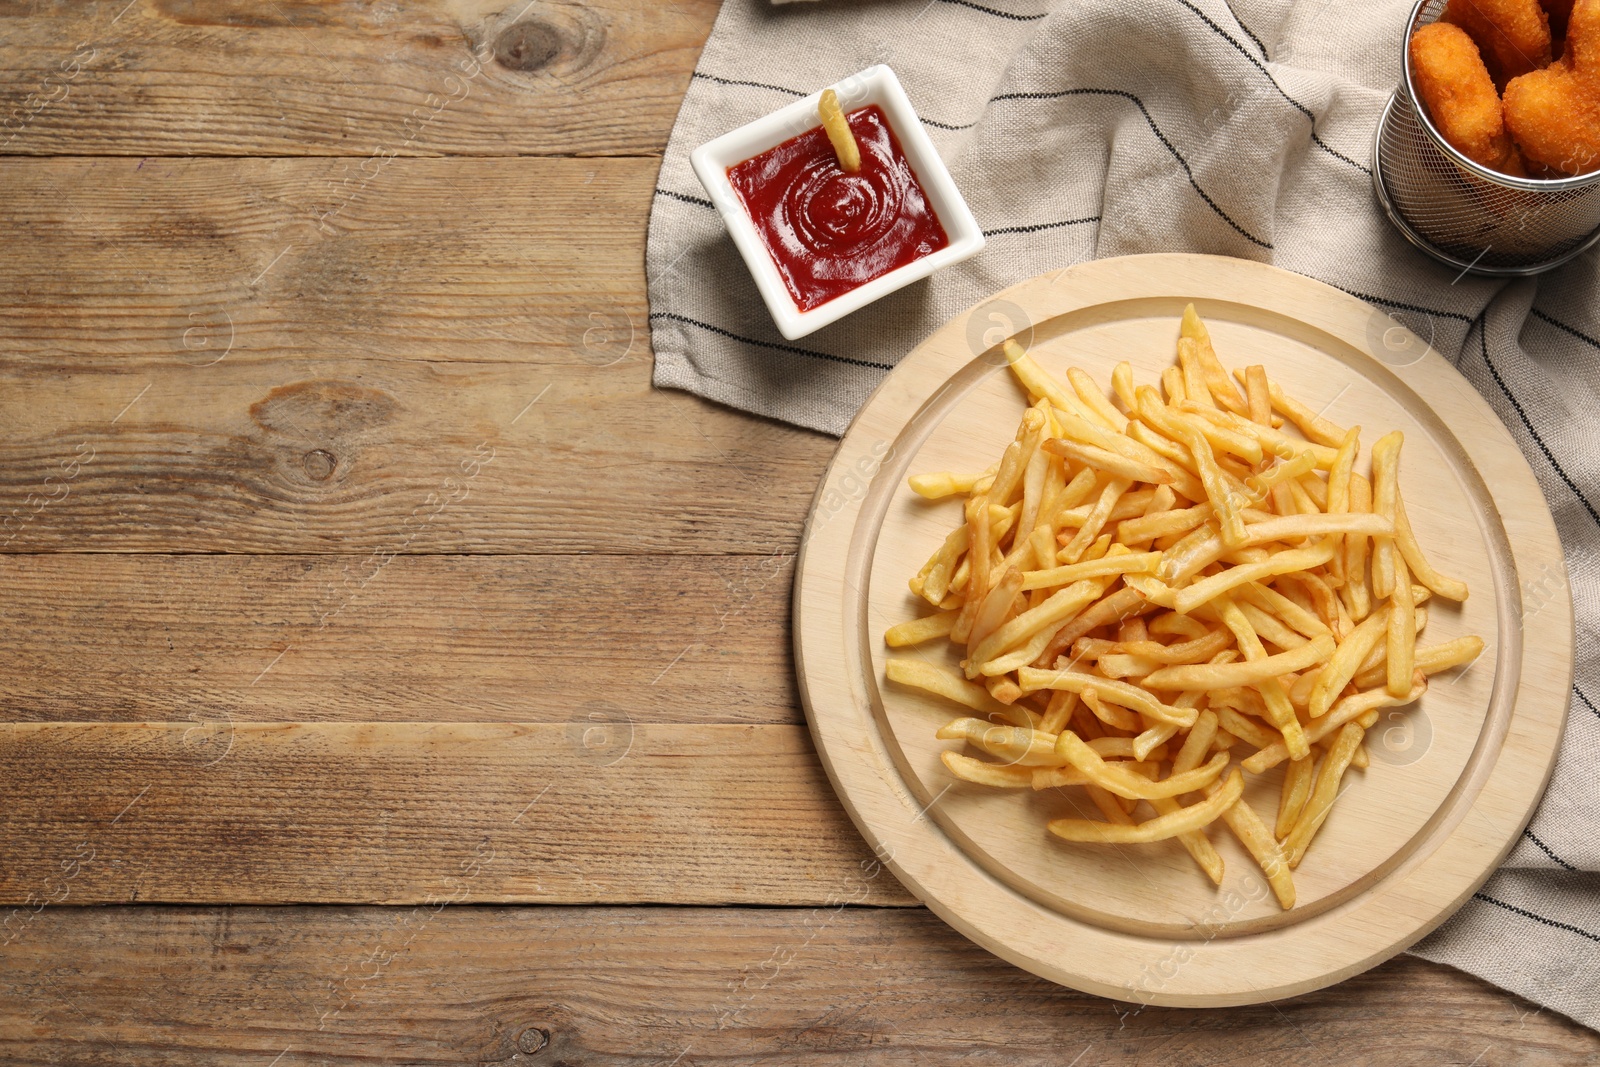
{"x": 1453, "y": 779}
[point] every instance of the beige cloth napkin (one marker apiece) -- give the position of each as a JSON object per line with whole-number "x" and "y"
{"x": 1087, "y": 128}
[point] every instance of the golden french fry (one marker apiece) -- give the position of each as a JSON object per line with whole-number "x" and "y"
{"x": 1061, "y": 606}
{"x": 839, "y": 133}
{"x": 1297, "y": 779}
{"x": 1346, "y": 661}
{"x": 1350, "y": 709}
{"x": 941, "y": 681}
{"x": 1297, "y": 559}
{"x": 945, "y": 483}
{"x": 1094, "y": 400}
{"x": 999, "y": 775}
{"x": 1323, "y": 793}
{"x": 1014, "y": 744}
{"x": 1215, "y": 375}
{"x": 1316, "y": 428}
{"x": 1119, "y": 563}
{"x": 1385, "y": 493}
{"x": 1110, "y": 462}
{"x": 919, "y": 630}
{"x": 1247, "y": 672}
{"x": 1162, "y": 827}
{"x": 1429, "y": 659}
{"x": 1260, "y": 400}
{"x": 1421, "y": 569}
{"x": 1032, "y": 679}
{"x": 1402, "y": 632}
{"x": 1110, "y": 714}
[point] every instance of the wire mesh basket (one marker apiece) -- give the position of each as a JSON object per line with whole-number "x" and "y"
{"x": 1463, "y": 213}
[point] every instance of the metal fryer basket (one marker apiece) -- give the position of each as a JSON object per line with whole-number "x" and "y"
{"x": 1463, "y": 213}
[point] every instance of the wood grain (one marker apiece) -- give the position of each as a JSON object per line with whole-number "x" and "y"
{"x": 600, "y": 810}
{"x": 1408, "y": 845}
{"x": 464, "y": 77}
{"x": 426, "y": 638}
{"x": 196, "y": 367}
{"x": 616, "y": 986}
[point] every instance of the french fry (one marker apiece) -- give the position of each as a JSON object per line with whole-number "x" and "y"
{"x": 1297, "y": 780}
{"x": 1350, "y": 709}
{"x": 1195, "y": 817}
{"x": 1406, "y": 541}
{"x": 1141, "y": 700}
{"x": 1014, "y": 744}
{"x": 941, "y": 681}
{"x": 945, "y": 483}
{"x": 1110, "y": 462}
{"x": 1346, "y": 661}
{"x": 916, "y": 631}
{"x": 1401, "y": 632}
{"x": 839, "y": 133}
{"x": 998, "y": 775}
{"x": 1258, "y": 841}
{"x": 1385, "y": 494}
{"x": 1259, "y": 399}
{"x": 1429, "y": 659}
{"x": 1323, "y": 793}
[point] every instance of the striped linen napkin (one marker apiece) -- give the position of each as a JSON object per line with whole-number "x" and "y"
{"x": 1079, "y": 129}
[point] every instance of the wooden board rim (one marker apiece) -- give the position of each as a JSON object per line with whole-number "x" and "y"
{"x": 1406, "y": 904}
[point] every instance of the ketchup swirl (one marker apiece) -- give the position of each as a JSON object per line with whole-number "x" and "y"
{"x": 829, "y": 232}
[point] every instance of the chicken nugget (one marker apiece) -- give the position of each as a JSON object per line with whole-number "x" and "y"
{"x": 1513, "y": 34}
{"x": 1450, "y": 77}
{"x": 1582, "y": 52}
{"x": 1554, "y": 115}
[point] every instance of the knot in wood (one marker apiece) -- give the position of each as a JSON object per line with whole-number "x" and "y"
{"x": 319, "y": 465}
{"x": 532, "y": 1040}
{"x": 527, "y": 46}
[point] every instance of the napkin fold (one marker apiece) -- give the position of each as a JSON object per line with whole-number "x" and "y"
{"x": 1079, "y": 129}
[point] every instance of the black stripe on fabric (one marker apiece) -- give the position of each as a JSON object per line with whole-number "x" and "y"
{"x": 1483, "y": 344}
{"x": 1586, "y": 702}
{"x": 1184, "y": 163}
{"x": 753, "y": 85}
{"x": 1248, "y": 32}
{"x": 768, "y": 344}
{"x": 1579, "y": 334}
{"x": 1403, "y": 307}
{"x": 992, "y": 11}
{"x": 1580, "y": 931}
{"x": 1547, "y": 850}
{"x": 695, "y": 200}
{"x": 948, "y": 125}
{"x": 1036, "y": 227}
{"x": 1318, "y": 141}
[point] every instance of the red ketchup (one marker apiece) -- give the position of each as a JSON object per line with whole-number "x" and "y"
{"x": 830, "y": 232}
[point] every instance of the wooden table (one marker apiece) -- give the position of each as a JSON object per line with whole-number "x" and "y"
{"x": 354, "y": 574}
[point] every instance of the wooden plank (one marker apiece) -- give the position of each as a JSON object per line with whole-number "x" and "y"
{"x": 472, "y": 77}
{"x": 606, "y": 987}
{"x": 429, "y": 638}
{"x": 592, "y": 811}
{"x": 195, "y": 366}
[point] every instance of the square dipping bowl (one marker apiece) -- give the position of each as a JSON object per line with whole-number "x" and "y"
{"x": 875, "y": 85}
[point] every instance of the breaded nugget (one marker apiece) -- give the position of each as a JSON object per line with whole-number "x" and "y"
{"x": 1513, "y": 34}
{"x": 1452, "y": 81}
{"x": 1555, "y": 117}
{"x": 1583, "y": 39}
{"x": 1554, "y": 114}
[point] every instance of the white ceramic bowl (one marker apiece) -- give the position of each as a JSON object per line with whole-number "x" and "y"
{"x": 875, "y": 85}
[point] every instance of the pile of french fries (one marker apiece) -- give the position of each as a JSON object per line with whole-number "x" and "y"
{"x": 1144, "y": 589}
